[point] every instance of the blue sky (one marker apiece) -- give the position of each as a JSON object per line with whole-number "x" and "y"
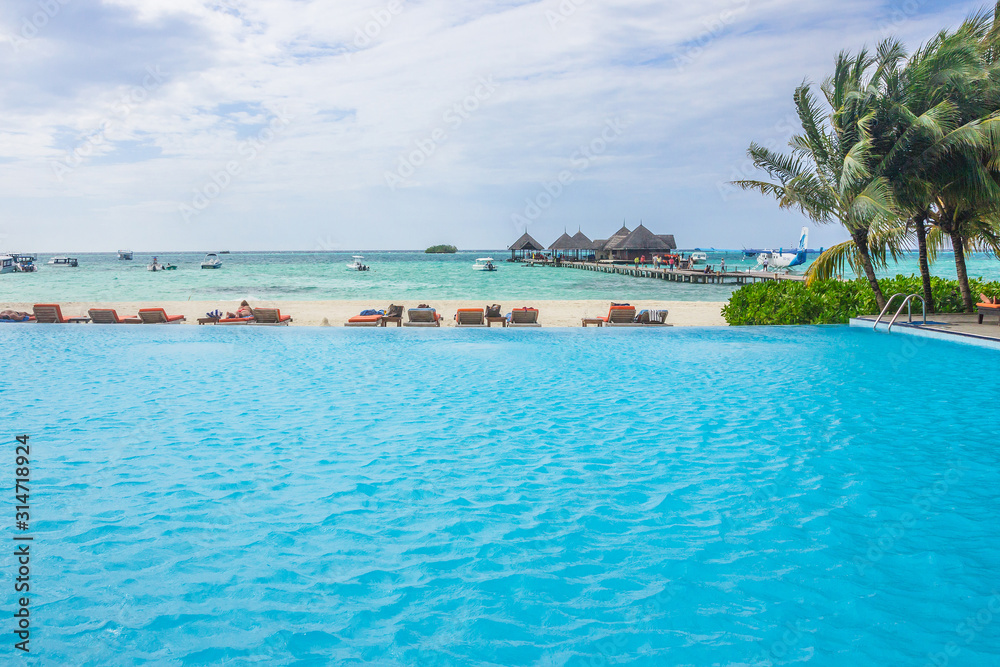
{"x": 298, "y": 124}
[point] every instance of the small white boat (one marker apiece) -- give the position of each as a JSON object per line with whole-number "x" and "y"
{"x": 125, "y": 254}
{"x": 23, "y": 262}
{"x": 357, "y": 264}
{"x": 7, "y": 264}
{"x": 698, "y": 258}
{"x": 156, "y": 266}
{"x": 484, "y": 264}
{"x": 211, "y": 261}
{"x": 63, "y": 261}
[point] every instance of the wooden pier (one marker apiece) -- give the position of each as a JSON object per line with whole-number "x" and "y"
{"x": 675, "y": 275}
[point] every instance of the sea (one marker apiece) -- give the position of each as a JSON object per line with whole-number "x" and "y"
{"x": 290, "y": 276}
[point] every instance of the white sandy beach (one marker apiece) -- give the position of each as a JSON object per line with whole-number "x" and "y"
{"x": 335, "y": 313}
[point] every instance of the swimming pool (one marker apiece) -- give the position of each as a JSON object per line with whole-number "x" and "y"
{"x": 577, "y": 497}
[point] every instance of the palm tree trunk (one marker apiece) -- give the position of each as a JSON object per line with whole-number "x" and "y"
{"x": 958, "y": 243}
{"x": 861, "y": 242}
{"x": 925, "y": 271}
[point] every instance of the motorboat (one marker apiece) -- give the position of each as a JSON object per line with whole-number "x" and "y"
{"x": 357, "y": 264}
{"x": 698, "y": 258}
{"x": 211, "y": 261}
{"x": 63, "y": 261}
{"x": 7, "y": 264}
{"x": 23, "y": 263}
{"x": 125, "y": 254}
{"x": 484, "y": 264}
{"x": 156, "y": 266}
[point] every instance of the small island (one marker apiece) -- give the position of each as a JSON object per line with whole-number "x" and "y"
{"x": 441, "y": 249}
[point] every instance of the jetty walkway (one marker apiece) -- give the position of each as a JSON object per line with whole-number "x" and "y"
{"x": 674, "y": 275}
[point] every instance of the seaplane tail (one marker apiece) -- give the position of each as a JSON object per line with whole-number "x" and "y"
{"x": 800, "y": 256}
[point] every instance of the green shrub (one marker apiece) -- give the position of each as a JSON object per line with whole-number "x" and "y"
{"x": 441, "y": 250}
{"x": 835, "y": 301}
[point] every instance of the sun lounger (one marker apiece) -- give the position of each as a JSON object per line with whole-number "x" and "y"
{"x": 988, "y": 306}
{"x": 524, "y": 317}
{"x": 620, "y": 315}
{"x": 364, "y": 321}
{"x": 270, "y": 316}
{"x": 470, "y": 317}
{"x": 51, "y": 313}
{"x": 158, "y": 316}
{"x": 110, "y": 316}
{"x": 422, "y": 317}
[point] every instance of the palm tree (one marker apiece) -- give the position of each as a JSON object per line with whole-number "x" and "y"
{"x": 829, "y": 175}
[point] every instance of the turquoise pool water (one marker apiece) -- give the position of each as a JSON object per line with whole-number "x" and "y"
{"x": 393, "y": 275}
{"x": 820, "y": 496}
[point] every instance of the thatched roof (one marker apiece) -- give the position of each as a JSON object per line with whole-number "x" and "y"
{"x": 598, "y": 244}
{"x": 564, "y": 242}
{"x": 582, "y": 242}
{"x": 669, "y": 240}
{"x": 614, "y": 243}
{"x": 526, "y": 243}
{"x": 642, "y": 239}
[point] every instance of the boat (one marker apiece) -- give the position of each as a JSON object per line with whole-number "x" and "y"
{"x": 156, "y": 266}
{"x": 484, "y": 264}
{"x": 24, "y": 263}
{"x": 63, "y": 261}
{"x": 357, "y": 264}
{"x": 698, "y": 258}
{"x": 7, "y": 264}
{"x": 211, "y": 261}
{"x": 125, "y": 254}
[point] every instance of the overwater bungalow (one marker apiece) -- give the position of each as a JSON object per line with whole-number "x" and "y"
{"x": 576, "y": 247}
{"x": 523, "y": 245}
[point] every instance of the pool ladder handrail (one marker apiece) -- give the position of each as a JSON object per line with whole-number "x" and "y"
{"x": 906, "y": 304}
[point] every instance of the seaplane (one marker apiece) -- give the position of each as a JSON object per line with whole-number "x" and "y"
{"x": 785, "y": 260}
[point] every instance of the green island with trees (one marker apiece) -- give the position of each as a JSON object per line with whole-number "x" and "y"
{"x": 904, "y": 154}
{"x": 441, "y": 249}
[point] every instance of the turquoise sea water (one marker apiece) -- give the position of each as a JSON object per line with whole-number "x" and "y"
{"x": 208, "y": 495}
{"x": 393, "y": 275}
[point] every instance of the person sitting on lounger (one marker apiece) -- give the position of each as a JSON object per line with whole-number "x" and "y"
{"x": 243, "y": 311}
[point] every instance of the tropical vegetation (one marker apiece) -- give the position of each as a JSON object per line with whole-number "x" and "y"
{"x": 836, "y": 301}
{"x": 903, "y": 151}
{"x": 441, "y": 249}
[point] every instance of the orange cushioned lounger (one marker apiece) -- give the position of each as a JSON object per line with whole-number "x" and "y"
{"x": 158, "y": 316}
{"x": 236, "y": 320}
{"x": 620, "y": 314}
{"x": 363, "y": 321}
{"x": 110, "y": 316}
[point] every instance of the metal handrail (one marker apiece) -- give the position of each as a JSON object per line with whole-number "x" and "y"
{"x": 909, "y": 311}
{"x": 887, "y": 304}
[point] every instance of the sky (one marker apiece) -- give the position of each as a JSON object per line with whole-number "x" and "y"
{"x": 398, "y": 124}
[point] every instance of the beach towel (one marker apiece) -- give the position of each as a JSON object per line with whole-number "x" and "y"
{"x": 371, "y": 311}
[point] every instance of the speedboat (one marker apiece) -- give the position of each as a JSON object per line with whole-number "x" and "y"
{"x": 356, "y": 264}
{"x": 698, "y": 258}
{"x": 156, "y": 266}
{"x": 125, "y": 254}
{"x": 211, "y": 261}
{"x": 63, "y": 261}
{"x": 484, "y": 264}
{"x": 24, "y": 263}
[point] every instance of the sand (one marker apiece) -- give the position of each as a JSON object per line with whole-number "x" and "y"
{"x": 335, "y": 313}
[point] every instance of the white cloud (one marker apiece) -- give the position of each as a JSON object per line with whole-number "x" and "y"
{"x": 694, "y": 81}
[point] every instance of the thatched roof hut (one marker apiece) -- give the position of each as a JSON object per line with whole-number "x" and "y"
{"x": 525, "y": 244}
